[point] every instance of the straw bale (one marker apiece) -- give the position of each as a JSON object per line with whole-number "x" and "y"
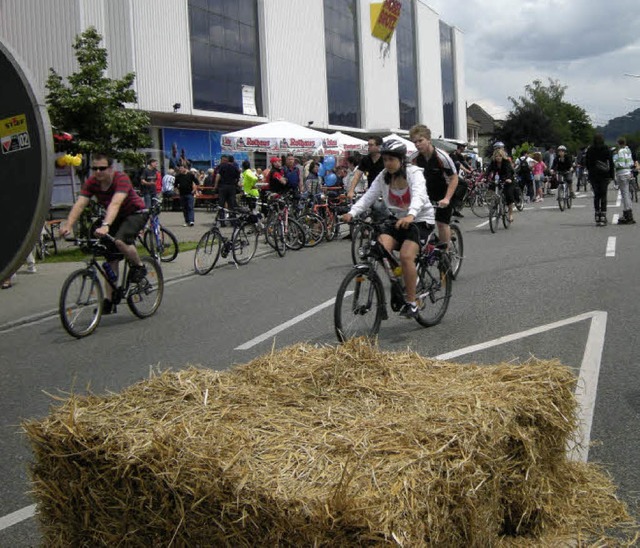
{"x": 323, "y": 446}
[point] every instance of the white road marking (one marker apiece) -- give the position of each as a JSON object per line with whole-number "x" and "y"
{"x": 556, "y": 207}
{"x": 287, "y": 324}
{"x": 482, "y": 224}
{"x": 17, "y": 516}
{"x": 614, "y": 219}
{"x": 587, "y": 386}
{"x": 611, "y": 247}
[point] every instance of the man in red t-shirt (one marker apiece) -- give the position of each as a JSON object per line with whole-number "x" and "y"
{"x": 125, "y": 215}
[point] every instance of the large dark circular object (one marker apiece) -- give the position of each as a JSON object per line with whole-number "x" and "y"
{"x": 26, "y": 163}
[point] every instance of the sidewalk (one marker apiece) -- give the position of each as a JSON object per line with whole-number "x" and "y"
{"x": 35, "y": 296}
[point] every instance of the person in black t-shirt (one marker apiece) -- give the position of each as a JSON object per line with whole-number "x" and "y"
{"x": 371, "y": 165}
{"x": 227, "y": 183}
{"x": 187, "y": 185}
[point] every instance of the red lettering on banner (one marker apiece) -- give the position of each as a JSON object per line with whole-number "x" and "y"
{"x": 257, "y": 142}
{"x": 301, "y": 143}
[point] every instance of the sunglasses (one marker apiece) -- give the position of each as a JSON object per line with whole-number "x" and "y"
{"x": 99, "y": 168}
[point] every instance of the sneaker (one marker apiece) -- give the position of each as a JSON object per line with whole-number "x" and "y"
{"x": 137, "y": 274}
{"x": 192, "y": 223}
{"x": 185, "y": 224}
{"x": 409, "y": 310}
{"x": 107, "y": 306}
{"x": 31, "y": 269}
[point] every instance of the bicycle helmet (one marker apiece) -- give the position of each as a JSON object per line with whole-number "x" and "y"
{"x": 393, "y": 147}
{"x": 562, "y": 147}
{"x": 498, "y": 144}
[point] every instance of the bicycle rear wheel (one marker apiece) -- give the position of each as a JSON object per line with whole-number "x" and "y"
{"x": 433, "y": 291}
{"x": 81, "y": 301}
{"x": 144, "y": 297}
{"x": 207, "y": 252}
{"x": 505, "y": 216}
{"x": 278, "y": 236}
{"x": 330, "y": 223}
{"x": 46, "y": 246}
{"x": 456, "y": 250}
{"x": 568, "y": 199}
{"x": 561, "y": 197}
{"x": 244, "y": 243}
{"x": 359, "y": 305}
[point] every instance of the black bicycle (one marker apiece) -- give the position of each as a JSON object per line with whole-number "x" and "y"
{"x": 361, "y": 303}
{"x": 82, "y": 295}
{"x": 242, "y": 244}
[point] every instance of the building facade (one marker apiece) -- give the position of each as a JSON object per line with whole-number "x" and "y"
{"x": 219, "y": 65}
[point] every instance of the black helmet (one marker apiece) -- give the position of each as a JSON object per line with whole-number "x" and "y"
{"x": 393, "y": 147}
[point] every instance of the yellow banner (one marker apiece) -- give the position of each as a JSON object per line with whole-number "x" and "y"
{"x": 384, "y": 19}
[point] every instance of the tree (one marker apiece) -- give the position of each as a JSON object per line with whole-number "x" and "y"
{"x": 92, "y": 106}
{"x": 543, "y": 117}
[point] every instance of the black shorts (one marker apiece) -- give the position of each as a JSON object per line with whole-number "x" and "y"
{"x": 415, "y": 233}
{"x": 443, "y": 214}
{"x": 128, "y": 228}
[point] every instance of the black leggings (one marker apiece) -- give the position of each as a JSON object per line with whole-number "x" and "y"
{"x": 599, "y": 187}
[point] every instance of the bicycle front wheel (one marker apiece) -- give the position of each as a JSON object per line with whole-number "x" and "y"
{"x": 433, "y": 291}
{"x": 279, "y": 238}
{"x": 144, "y": 297}
{"x": 81, "y": 301}
{"x": 480, "y": 206}
{"x": 494, "y": 217}
{"x": 294, "y": 235}
{"x": 313, "y": 229}
{"x": 361, "y": 243}
{"x": 359, "y": 305}
{"x": 561, "y": 197}
{"x": 456, "y": 249}
{"x": 244, "y": 243}
{"x": 207, "y": 252}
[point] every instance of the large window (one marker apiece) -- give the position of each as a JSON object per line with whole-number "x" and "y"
{"x": 448, "y": 80}
{"x": 224, "y": 53}
{"x": 407, "y": 66}
{"x": 343, "y": 67}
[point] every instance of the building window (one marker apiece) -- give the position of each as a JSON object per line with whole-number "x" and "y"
{"x": 224, "y": 53}
{"x": 343, "y": 67}
{"x": 448, "y": 80}
{"x": 407, "y": 66}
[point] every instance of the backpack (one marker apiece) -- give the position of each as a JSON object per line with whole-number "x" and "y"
{"x": 524, "y": 170}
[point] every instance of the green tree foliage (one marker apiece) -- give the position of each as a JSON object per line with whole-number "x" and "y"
{"x": 92, "y": 106}
{"x": 542, "y": 117}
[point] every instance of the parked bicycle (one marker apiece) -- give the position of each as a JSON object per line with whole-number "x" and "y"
{"x": 46, "y": 244}
{"x": 361, "y": 303}
{"x": 563, "y": 194}
{"x": 82, "y": 295}
{"x": 282, "y": 230}
{"x": 242, "y": 244}
{"x": 159, "y": 241}
{"x": 499, "y": 210}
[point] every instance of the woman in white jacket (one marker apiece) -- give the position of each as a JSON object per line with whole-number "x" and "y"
{"x": 404, "y": 192}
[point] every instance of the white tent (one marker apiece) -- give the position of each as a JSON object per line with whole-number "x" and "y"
{"x": 348, "y": 143}
{"x": 411, "y": 148}
{"x": 274, "y": 138}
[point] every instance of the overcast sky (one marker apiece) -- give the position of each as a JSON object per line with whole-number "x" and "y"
{"x": 587, "y": 45}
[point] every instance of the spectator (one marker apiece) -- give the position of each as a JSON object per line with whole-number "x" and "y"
{"x": 623, "y": 162}
{"x": 187, "y": 185}
{"x": 148, "y": 182}
{"x": 538, "y": 169}
{"x": 226, "y": 184}
{"x": 249, "y": 180}
{"x": 168, "y": 184}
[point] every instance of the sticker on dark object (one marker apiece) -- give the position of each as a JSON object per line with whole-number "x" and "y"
{"x": 26, "y": 163}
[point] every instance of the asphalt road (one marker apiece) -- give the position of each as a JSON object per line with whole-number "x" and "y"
{"x": 550, "y": 266}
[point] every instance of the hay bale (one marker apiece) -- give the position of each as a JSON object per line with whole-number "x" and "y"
{"x": 321, "y": 446}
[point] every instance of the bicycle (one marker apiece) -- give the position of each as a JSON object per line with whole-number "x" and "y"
{"x": 282, "y": 230}
{"x": 46, "y": 244}
{"x": 159, "y": 241}
{"x": 498, "y": 209}
{"x": 360, "y": 304}
{"x": 563, "y": 194}
{"x": 242, "y": 244}
{"x": 82, "y": 295}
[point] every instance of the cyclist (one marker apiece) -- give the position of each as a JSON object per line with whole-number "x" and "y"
{"x": 563, "y": 166}
{"x": 502, "y": 169}
{"x": 403, "y": 190}
{"x": 125, "y": 215}
{"x": 441, "y": 176}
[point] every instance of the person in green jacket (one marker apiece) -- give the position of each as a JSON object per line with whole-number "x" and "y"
{"x": 249, "y": 180}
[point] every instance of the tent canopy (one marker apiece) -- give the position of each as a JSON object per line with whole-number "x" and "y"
{"x": 411, "y": 148}
{"x": 276, "y": 138}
